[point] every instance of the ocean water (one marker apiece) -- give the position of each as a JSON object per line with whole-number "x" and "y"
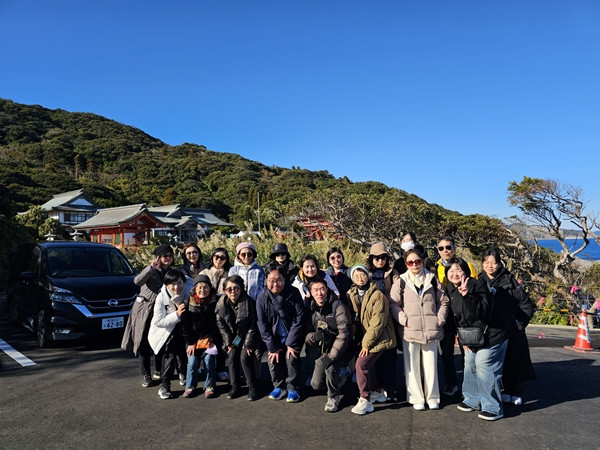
{"x": 591, "y": 252}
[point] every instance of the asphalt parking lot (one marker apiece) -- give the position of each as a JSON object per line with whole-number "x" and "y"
{"x": 79, "y": 396}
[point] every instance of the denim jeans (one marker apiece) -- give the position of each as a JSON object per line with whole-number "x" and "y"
{"x": 482, "y": 375}
{"x": 210, "y": 363}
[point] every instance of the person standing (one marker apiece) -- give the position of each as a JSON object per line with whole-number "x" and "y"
{"x": 237, "y": 322}
{"x": 164, "y": 335}
{"x": 280, "y": 257}
{"x": 509, "y": 294}
{"x": 420, "y": 306}
{"x": 474, "y": 307}
{"x": 447, "y": 249}
{"x": 339, "y": 272}
{"x": 246, "y": 266}
{"x": 281, "y": 320}
{"x": 192, "y": 260}
{"x": 218, "y": 269}
{"x": 374, "y": 333}
{"x": 135, "y": 335}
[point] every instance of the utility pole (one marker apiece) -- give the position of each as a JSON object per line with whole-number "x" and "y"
{"x": 258, "y": 195}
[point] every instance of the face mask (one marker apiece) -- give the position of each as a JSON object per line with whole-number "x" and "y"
{"x": 406, "y": 246}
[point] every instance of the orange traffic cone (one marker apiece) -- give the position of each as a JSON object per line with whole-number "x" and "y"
{"x": 583, "y": 342}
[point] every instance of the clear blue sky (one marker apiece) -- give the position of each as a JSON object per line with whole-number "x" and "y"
{"x": 447, "y": 100}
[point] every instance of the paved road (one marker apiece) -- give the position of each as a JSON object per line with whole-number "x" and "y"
{"x": 91, "y": 397}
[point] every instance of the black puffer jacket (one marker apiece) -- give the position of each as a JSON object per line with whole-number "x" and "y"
{"x": 289, "y": 269}
{"x": 511, "y": 296}
{"x": 242, "y": 324}
{"x": 477, "y": 309}
{"x": 339, "y": 321}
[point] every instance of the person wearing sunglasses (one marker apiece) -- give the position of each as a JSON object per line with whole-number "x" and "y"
{"x": 192, "y": 260}
{"x": 218, "y": 269}
{"x": 420, "y": 306}
{"x": 379, "y": 267}
{"x": 447, "y": 249}
{"x": 245, "y": 266}
{"x": 339, "y": 272}
{"x": 237, "y": 322}
{"x": 381, "y": 274}
{"x": 135, "y": 335}
{"x": 280, "y": 257}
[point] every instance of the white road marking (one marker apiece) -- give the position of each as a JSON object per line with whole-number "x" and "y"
{"x": 18, "y": 357}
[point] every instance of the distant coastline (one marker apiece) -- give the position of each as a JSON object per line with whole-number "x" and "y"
{"x": 591, "y": 252}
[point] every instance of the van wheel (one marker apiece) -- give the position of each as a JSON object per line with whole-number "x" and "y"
{"x": 44, "y": 336}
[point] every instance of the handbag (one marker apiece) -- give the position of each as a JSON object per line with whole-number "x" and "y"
{"x": 203, "y": 343}
{"x": 471, "y": 336}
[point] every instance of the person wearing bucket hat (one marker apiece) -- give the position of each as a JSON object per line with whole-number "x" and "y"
{"x": 374, "y": 334}
{"x": 380, "y": 268}
{"x": 280, "y": 258}
{"x": 135, "y": 335}
{"x": 245, "y": 266}
{"x": 198, "y": 323}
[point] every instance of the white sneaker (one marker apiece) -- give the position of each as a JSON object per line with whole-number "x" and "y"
{"x": 332, "y": 404}
{"x": 363, "y": 407}
{"x": 516, "y": 401}
{"x": 433, "y": 405}
{"x": 378, "y": 397}
{"x": 505, "y": 398}
{"x": 419, "y": 406}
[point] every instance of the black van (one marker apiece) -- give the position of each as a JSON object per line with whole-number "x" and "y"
{"x": 65, "y": 290}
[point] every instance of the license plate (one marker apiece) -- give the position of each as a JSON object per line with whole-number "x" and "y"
{"x": 113, "y": 322}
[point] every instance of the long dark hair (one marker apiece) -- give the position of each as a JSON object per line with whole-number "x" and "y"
{"x": 227, "y": 264}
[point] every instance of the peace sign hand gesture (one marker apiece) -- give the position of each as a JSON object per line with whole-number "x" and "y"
{"x": 462, "y": 287}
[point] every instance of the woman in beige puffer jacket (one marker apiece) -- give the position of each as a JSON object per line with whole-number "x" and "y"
{"x": 420, "y": 306}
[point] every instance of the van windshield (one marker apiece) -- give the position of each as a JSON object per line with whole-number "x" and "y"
{"x": 77, "y": 262}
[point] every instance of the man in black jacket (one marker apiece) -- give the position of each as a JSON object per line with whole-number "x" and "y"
{"x": 330, "y": 330}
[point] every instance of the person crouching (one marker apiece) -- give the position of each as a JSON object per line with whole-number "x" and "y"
{"x": 330, "y": 330}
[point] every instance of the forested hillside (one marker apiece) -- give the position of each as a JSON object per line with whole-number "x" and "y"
{"x": 45, "y": 152}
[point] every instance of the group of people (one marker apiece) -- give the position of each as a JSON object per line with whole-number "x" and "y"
{"x": 350, "y": 321}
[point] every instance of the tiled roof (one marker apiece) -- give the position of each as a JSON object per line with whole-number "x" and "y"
{"x": 114, "y": 216}
{"x": 62, "y": 201}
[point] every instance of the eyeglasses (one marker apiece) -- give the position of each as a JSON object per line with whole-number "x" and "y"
{"x": 335, "y": 257}
{"x": 447, "y": 247}
{"x": 276, "y": 281}
{"x": 416, "y": 262}
{"x": 246, "y": 255}
{"x": 230, "y": 290}
{"x": 167, "y": 255}
{"x": 380, "y": 257}
{"x": 220, "y": 257}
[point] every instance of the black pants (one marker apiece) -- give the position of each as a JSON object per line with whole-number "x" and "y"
{"x": 145, "y": 355}
{"x": 173, "y": 356}
{"x": 238, "y": 358}
{"x": 286, "y": 373}
{"x": 447, "y": 348}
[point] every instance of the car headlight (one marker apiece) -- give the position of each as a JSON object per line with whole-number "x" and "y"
{"x": 63, "y": 295}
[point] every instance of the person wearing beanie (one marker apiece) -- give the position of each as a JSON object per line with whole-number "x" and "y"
{"x": 164, "y": 335}
{"x": 135, "y": 335}
{"x": 201, "y": 336}
{"x": 374, "y": 334}
{"x": 280, "y": 258}
{"x": 245, "y": 266}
